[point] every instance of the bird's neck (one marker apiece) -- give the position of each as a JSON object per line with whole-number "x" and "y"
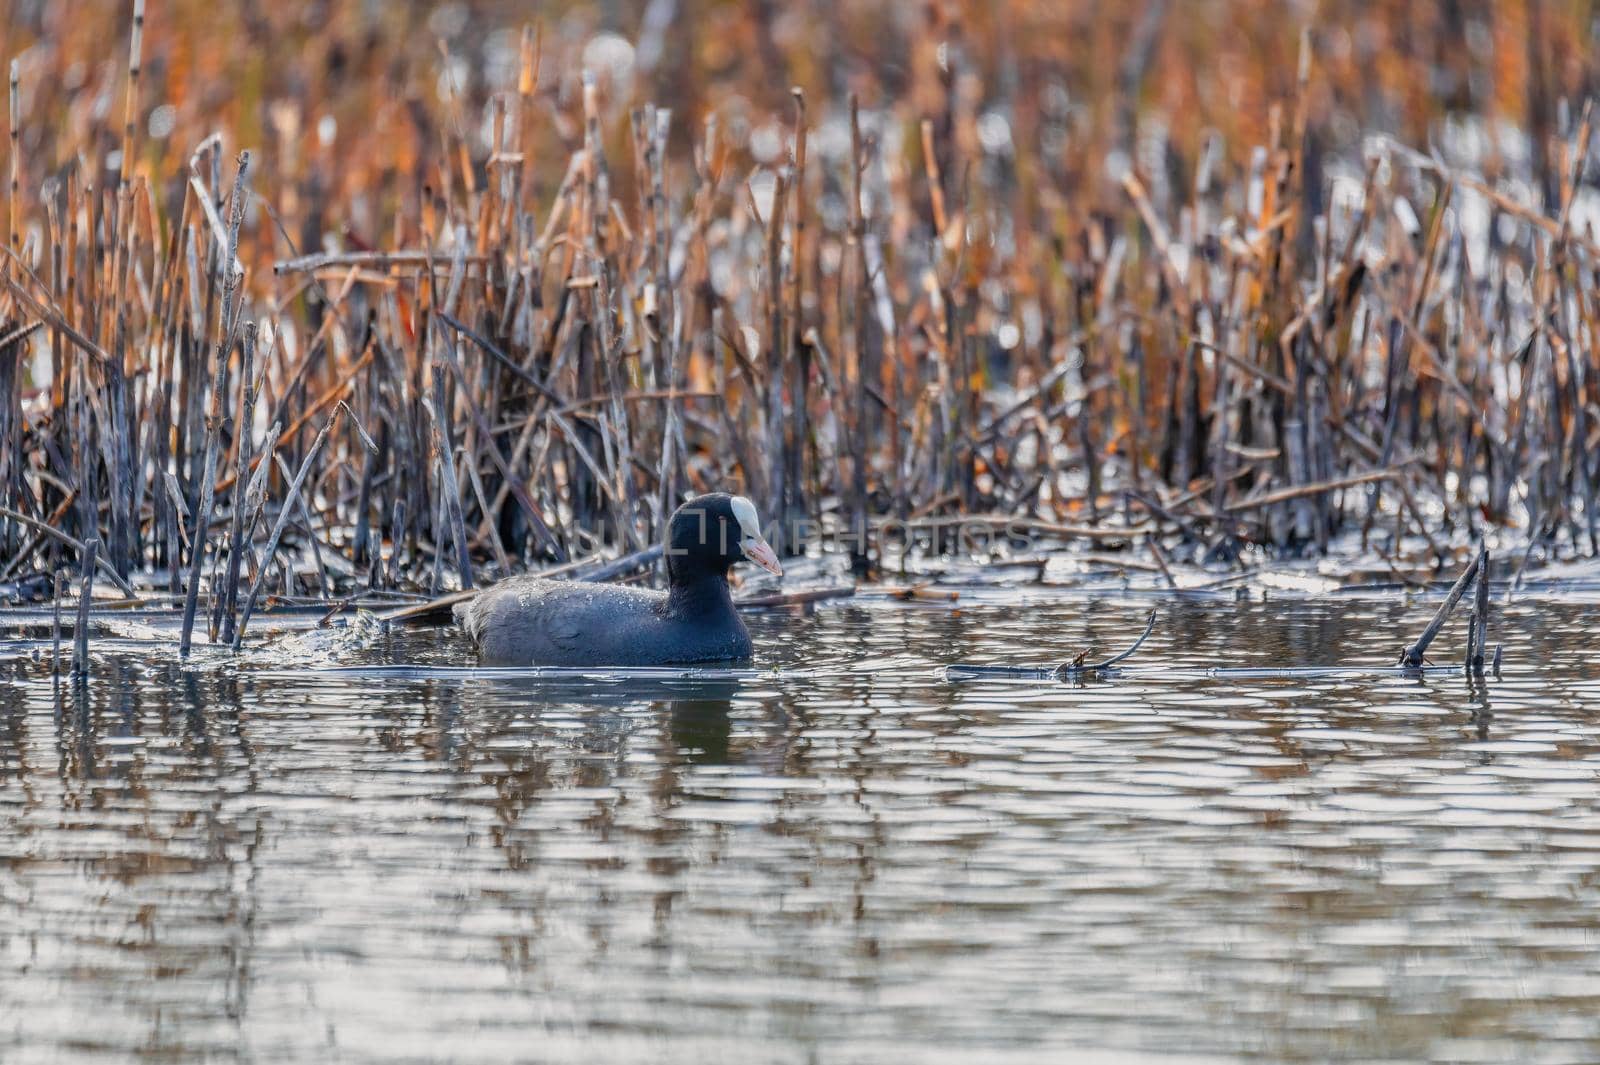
{"x": 699, "y": 594}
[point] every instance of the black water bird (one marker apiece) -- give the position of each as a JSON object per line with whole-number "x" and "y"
{"x": 533, "y": 621}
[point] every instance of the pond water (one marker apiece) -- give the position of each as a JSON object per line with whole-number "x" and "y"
{"x": 844, "y": 856}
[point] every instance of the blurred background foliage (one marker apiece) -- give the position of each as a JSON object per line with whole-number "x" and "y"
{"x": 345, "y": 103}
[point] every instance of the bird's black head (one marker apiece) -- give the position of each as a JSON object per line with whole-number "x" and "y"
{"x": 709, "y": 533}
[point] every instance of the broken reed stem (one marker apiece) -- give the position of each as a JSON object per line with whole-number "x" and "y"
{"x": 1153, "y": 541}
{"x": 1472, "y": 637}
{"x": 285, "y": 512}
{"x": 444, "y": 452}
{"x": 1480, "y": 616}
{"x": 580, "y": 571}
{"x": 130, "y": 113}
{"x": 80, "y": 635}
{"x": 201, "y": 526}
{"x": 619, "y": 567}
{"x": 310, "y": 521}
{"x": 795, "y": 506}
{"x": 1267, "y": 499}
{"x": 240, "y": 532}
{"x": 73, "y": 542}
{"x": 856, "y": 418}
{"x": 1412, "y": 655}
{"x": 13, "y": 229}
{"x": 58, "y": 588}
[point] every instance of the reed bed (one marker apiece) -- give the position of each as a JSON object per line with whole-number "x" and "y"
{"x": 362, "y": 306}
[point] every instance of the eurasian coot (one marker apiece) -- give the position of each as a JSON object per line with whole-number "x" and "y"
{"x": 532, "y": 621}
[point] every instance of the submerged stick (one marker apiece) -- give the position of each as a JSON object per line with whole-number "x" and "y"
{"x": 1076, "y": 669}
{"x": 962, "y": 671}
{"x": 1412, "y": 655}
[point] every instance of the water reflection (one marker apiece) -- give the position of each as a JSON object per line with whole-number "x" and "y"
{"x": 701, "y": 729}
{"x": 1482, "y": 712}
{"x": 845, "y": 858}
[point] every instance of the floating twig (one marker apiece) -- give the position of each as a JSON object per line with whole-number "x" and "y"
{"x": 1078, "y": 669}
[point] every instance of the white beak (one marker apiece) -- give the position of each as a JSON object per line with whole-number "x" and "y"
{"x": 760, "y": 552}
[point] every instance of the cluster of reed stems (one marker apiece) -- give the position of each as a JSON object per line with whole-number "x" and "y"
{"x": 544, "y": 324}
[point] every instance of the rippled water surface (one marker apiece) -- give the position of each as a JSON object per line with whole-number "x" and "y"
{"x": 843, "y": 857}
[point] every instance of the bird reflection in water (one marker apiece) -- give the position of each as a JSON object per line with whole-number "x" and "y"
{"x": 701, "y": 728}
